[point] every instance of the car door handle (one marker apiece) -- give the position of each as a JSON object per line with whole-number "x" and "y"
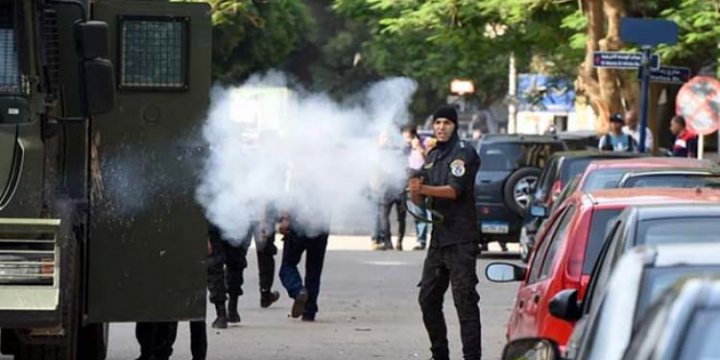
{"x": 485, "y": 181}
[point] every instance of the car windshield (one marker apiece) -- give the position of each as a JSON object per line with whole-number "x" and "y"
{"x": 679, "y": 230}
{"x": 509, "y": 156}
{"x": 701, "y": 341}
{"x": 674, "y": 181}
{"x": 657, "y": 280}
{"x": 603, "y": 179}
{"x": 601, "y": 220}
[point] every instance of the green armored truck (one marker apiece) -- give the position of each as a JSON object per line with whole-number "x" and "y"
{"x": 101, "y": 108}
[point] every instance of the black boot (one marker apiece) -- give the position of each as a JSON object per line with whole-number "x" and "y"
{"x": 222, "y": 319}
{"x": 268, "y": 297}
{"x": 298, "y": 308}
{"x": 233, "y": 316}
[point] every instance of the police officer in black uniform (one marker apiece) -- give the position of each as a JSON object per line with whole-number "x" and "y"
{"x": 226, "y": 264}
{"x": 447, "y": 181}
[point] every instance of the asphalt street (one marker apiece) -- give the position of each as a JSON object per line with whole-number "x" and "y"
{"x": 368, "y": 310}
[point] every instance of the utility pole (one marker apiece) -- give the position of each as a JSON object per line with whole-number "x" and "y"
{"x": 512, "y": 96}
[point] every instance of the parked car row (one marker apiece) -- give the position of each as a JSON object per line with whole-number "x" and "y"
{"x": 616, "y": 251}
{"x": 631, "y": 172}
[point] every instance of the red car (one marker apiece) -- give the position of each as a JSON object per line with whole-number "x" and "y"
{"x": 566, "y": 252}
{"x": 606, "y": 174}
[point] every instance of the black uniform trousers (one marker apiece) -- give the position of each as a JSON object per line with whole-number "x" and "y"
{"x": 225, "y": 270}
{"x": 156, "y": 339}
{"x": 453, "y": 265}
{"x": 266, "y": 251}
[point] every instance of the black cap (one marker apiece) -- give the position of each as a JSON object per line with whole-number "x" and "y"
{"x": 617, "y": 118}
{"x": 447, "y": 112}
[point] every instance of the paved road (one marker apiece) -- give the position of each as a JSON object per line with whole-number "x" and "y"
{"x": 368, "y": 310}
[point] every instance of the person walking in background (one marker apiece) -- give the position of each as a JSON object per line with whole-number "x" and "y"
{"x": 226, "y": 264}
{"x": 312, "y": 242}
{"x": 632, "y": 128}
{"x": 263, "y": 231}
{"x": 686, "y": 142}
{"x": 416, "y": 160}
{"x": 389, "y": 194}
{"x": 616, "y": 140}
{"x": 393, "y": 197}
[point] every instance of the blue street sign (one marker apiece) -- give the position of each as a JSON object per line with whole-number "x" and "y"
{"x": 648, "y": 32}
{"x": 622, "y": 60}
{"x": 669, "y": 75}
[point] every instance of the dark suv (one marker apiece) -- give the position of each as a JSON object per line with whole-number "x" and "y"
{"x": 509, "y": 170}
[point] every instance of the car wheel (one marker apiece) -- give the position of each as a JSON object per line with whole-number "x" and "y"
{"x": 518, "y": 188}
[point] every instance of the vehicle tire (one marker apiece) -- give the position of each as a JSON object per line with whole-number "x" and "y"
{"x": 518, "y": 187}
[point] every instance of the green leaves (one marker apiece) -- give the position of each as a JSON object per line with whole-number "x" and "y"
{"x": 435, "y": 41}
{"x": 250, "y": 37}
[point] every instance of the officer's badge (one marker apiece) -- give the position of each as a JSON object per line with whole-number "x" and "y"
{"x": 457, "y": 168}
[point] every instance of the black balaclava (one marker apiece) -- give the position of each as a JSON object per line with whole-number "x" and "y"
{"x": 448, "y": 112}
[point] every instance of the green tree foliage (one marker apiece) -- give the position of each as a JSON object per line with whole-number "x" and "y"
{"x": 699, "y": 23}
{"x": 252, "y": 36}
{"x": 435, "y": 41}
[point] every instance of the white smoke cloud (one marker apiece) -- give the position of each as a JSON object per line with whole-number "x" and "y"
{"x": 299, "y": 152}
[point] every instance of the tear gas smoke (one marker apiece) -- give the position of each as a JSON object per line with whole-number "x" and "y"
{"x": 300, "y": 153}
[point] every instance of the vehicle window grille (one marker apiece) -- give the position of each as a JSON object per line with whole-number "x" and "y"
{"x": 153, "y": 53}
{"x": 10, "y": 79}
{"x": 51, "y": 48}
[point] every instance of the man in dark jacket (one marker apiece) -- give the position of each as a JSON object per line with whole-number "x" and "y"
{"x": 448, "y": 184}
{"x": 686, "y": 143}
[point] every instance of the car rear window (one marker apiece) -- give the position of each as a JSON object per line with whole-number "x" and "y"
{"x": 599, "y": 224}
{"x": 701, "y": 340}
{"x": 511, "y": 155}
{"x": 657, "y": 280}
{"x": 603, "y": 179}
{"x": 679, "y": 230}
{"x": 673, "y": 181}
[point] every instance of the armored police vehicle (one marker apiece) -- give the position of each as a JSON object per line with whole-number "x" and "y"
{"x": 101, "y": 104}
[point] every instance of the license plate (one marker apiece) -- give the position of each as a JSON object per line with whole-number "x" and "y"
{"x": 495, "y": 228}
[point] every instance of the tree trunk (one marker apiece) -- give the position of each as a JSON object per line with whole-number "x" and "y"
{"x": 587, "y": 82}
{"x": 611, "y": 80}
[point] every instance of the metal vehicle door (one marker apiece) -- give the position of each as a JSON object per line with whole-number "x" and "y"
{"x": 147, "y": 249}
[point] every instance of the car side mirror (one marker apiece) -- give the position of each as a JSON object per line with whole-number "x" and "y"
{"x": 564, "y": 305}
{"x": 98, "y": 72}
{"x": 538, "y": 211}
{"x": 504, "y": 272}
{"x": 531, "y": 348}
{"x": 92, "y": 39}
